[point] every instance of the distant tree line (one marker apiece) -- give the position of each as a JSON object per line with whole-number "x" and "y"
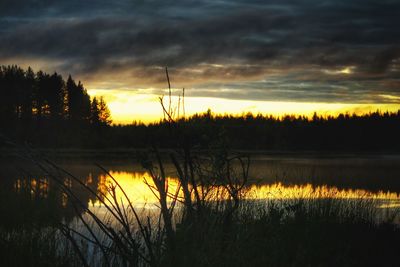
{"x": 46, "y": 111}
{"x": 375, "y": 131}
{"x": 44, "y": 108}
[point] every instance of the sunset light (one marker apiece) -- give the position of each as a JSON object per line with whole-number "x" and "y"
{"x": 126, "y": 106}
{"x": 237, "y": 133}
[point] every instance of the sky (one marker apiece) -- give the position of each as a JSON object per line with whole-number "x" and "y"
{"x": 271, "y": 56}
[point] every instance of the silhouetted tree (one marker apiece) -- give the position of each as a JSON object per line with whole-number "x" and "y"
{"x": 95, "y": 113}
{"x": 27, "y": 95}
{"x": 104, "y": 112}
{"x": 55, "y": 96}
{"x": 78, "y": 101}
{"x": 7, "y": 98}
{"x": 46, "y": 108}
{"x": 84, "y": 103}
{"x": 42, "y": 81}
{"x": 13, "y": 94}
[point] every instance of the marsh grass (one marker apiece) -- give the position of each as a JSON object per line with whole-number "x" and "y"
{"x": 292, "y": 233}
{"x": 34, "y": 246}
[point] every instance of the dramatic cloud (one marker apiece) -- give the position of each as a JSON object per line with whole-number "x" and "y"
{"x": 286, "y": 50}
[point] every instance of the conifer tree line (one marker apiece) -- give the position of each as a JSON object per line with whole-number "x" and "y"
{"x": 28, "y": 98}
{"x": 44, "y": 110}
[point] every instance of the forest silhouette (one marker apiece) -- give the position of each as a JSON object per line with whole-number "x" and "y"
{"x": 46, "y": 111}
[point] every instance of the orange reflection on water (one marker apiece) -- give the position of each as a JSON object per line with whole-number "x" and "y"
{"x": 280, "y": 191}
{"x": 35, "y": 186}
{"x": 139, "y": 192}
{"x": 134, "y": 186}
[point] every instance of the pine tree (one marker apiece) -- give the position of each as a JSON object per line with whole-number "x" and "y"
{"x": 55, "y": 96}
{"x": 104, "y": 112}
{"x": 94, "y": 112}
{"x": 27, "y": 95}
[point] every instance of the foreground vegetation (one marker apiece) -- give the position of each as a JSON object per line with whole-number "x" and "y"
{"x": 295, "y": 233}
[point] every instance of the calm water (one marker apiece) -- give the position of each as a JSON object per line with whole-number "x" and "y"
{"x": 29, "y": 191}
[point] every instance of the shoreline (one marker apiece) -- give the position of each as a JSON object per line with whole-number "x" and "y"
{"x": 120, "y": 153}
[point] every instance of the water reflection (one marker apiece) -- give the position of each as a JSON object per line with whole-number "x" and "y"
{"x": 140, "y": 194}
{"x": 135, "y": 185}
{"x": 37, "y": 187}
{"x": 32, "y": 196}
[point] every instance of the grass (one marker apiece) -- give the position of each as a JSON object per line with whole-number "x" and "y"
{"x": 274, "y": 233}
{"x": 293, "y": 233}
{"x": 31, "y": 246}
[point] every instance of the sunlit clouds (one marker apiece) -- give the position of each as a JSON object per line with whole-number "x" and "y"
{"x": 346, "y": 70}
{"x": 318, "y": 54}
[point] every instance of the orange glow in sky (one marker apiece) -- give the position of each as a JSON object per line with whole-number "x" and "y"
{"x": 127, "y": 106}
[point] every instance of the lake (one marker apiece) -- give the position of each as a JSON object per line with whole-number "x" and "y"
{"x": 28, "y": 193}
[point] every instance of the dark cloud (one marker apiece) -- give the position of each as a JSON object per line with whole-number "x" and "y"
{"x": 254, "y": 49}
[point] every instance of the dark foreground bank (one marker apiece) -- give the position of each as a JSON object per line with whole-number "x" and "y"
{"x": 294, "y": 233}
